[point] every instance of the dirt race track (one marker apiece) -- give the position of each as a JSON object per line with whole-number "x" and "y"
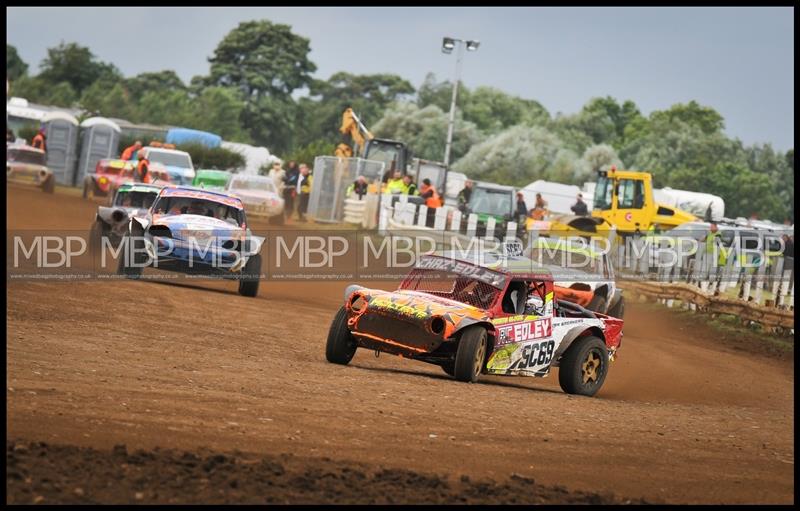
{"x": 242, "y": 385}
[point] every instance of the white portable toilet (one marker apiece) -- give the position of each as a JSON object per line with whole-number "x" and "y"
{"x": 61, "y": 130}
{"x": 99, "y": 139}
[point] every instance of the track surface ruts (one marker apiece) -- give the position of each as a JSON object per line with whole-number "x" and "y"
{"x": 683, "y": 417}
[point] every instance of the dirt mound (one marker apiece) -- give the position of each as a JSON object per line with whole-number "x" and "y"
{"x": 53, "y": 474}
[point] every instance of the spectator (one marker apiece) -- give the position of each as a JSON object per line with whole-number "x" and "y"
{"x": 129, "y": 151}
{"x": 411, "y": 187}
{"x": 278, "y": 175}
{"x": 432, "y": 199}
{"x": 290, "y": 188}
{"x": 788, "y": 252}
{"x": 142, "y": 174}
{"x": 396, "y": 184}
{"x": 39, "y": 140}
{"x": 359, "y": 187}
{"x": 579, "y": 208}
{"x": 522, "y": 209}
{"x": 540, "y": 208}
{"x": 304, "y": 183}
{"x": 713, "y": 246}
{"x": 464, "y": 195}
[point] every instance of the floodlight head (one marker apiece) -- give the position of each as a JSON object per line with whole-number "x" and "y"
{"x": 473, "y": 45}
{"x": 448, "y": 43}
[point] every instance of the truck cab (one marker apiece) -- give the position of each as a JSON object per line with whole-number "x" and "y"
{"x": 625, "y": 199}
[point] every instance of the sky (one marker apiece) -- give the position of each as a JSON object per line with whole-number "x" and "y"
{"x": 738, "y": 60}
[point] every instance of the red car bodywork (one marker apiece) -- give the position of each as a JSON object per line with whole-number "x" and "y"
{"x": 110, "y": 173}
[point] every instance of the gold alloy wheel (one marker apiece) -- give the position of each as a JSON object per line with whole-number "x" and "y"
{"x": 479, "y": 354}
{"x": 590, "y": 368}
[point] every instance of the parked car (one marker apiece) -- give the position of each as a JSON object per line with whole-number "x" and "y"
{"x": 211, "y": 179}
{"x": 28, "y": 165}
{"x": 259, "y": 195}
{"x": 177, "y": 163}
{"x": 476, "y": 315}
{"x": 108, "y": 175}
{"x": 197, "y": 232}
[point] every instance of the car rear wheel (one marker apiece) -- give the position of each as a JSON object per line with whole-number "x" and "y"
{"x": 618, "y": 310}
{"x": 471, "y": 354}
{"x": 341, "y": 345}
{"x": 583, "y": 368}
{"x": 598, "y": 304}
{"x": 248, "y": 286}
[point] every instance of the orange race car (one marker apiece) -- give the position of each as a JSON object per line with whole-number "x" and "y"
{"x": 481, "y": 314}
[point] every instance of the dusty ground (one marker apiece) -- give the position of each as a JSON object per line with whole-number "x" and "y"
{"x": 685, "y": 416}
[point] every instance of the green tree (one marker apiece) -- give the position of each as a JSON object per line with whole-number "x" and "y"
{"x": 269, "y": 122}
{"x": 166, "y": 107}
{"x": 708, "y": 120}
{"x": 493, "y": 110}
{"x": 75, "y": 65}
{"x": 62, "y": 95}
{"x": 109, "y": 98}
{"x": 142, "y": 83}
{"x": 266, "y": 62}
{"x": 307, "y": 153}
{"x": 15, "y": 66}
{"x": 425, "y": 130}
{"x": 440, "y": 94}
{"x": 320, "y": 115}
{"x": 523, "y": 154}
{"x": 601, "y": 120}
{"x": 31, "y": 88}
{"x": 262, "y": 58}
{"x": 219, "y": 110}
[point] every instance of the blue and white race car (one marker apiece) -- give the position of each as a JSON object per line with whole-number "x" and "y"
{"x": 196, "y": 232}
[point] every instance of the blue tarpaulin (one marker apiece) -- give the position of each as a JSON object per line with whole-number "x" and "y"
{"x": 187, "y": 136}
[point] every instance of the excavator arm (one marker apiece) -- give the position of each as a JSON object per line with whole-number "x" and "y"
{"x": 359, "y": 134}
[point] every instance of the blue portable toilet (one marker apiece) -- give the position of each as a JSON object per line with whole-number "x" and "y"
{"x": 188, "y": 136}
{"x": 99, "y": 140}
{"x": 61, "y": 130}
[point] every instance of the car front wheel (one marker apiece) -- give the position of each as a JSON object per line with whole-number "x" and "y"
{"x": 341, "y": 346}
{"x": 248, "y": 285}
{"x": 471, "y": 354}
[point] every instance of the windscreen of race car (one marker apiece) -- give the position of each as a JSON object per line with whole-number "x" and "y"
{"x": 177, "y": 205}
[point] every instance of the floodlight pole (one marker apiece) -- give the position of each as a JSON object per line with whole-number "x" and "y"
{"x": 460, "y": 52}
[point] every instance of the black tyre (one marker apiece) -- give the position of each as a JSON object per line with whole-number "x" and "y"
{"x": 49, "y": 186}
{"x": 132, "y": 271}
{"x": 618, "y": 310}
{"x": 248, "y": 284}
{"x": 583, "y": 368}
{"x": 471, "y": 354}
{"x": 341, "y": 345}
{"x": 598, "y": 304}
